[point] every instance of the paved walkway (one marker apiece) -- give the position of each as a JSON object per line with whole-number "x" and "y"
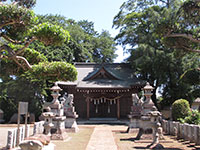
{"x": 102, "y": 139}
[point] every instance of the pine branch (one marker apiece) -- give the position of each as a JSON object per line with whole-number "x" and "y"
{"x": 11, "y": 40}
{"x": 25, "y": 62}
{"x": 26, "y": 45}
{"x": 190, "y": 49}
{"x": 187, "y": 36}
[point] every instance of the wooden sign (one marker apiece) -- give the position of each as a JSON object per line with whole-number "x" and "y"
{"x": 23, "y": 108}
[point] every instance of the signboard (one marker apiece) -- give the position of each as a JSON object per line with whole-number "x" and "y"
{"x": 23, "y": 108}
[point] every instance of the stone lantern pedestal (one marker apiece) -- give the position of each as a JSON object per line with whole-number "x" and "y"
{"x": 69, "y": 112}
{"x": 60, "y": 133}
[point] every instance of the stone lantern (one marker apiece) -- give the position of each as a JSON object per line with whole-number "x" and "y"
{"x": 55, "y": 93}
{"x": 54, "y": 118}
{"x": 48, "y": 116}
{"x": 148, "y": 103}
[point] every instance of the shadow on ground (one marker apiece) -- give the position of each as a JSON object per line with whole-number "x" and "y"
{"x": 156, "y": 148}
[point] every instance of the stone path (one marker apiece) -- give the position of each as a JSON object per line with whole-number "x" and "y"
{"x": 102, "y": 139}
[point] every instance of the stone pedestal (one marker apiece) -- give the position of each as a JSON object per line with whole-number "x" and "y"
{"x": 71, "y": 125}
{"x": 60, "y": 133}
{"x": 69, "y": 112}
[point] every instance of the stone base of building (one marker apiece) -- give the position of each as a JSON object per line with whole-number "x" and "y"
{"x": 71, "y": 125}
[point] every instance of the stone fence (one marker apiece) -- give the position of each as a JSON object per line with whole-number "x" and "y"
{"x": 188, "y": 132}
{"x": 38, "y": 127}
{"x": 12, "y": 136}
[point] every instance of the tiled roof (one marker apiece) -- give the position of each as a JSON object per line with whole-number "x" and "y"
{"x": 123, "y": 76}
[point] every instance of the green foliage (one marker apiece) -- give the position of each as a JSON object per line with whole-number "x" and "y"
{"x": 13, "y": 90}
{"x": 25, "y": 72}
{"x": 180, "y": 109}
{"x": 9, "y": 67}
{"x": 52, "y": 71}
{"x": 50, "y": 34}
{"x": 180, "y": 29}
{"x": 15, "y": 20}
{"x": 33, "y": 56}
{"x": 85, "y": 44}
{"x": 141, "y": 24}
{"x": 24, "y": 3}
{"x": 192, "y": 118}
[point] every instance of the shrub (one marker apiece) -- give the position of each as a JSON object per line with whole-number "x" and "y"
{"x": 193, "y": 118}
{"x": 180, "y": 109}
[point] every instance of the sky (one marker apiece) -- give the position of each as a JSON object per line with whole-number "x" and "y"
{"x": 101, "y": 12}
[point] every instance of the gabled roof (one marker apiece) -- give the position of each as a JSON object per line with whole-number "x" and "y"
{"x": 108, "y": 75}
{"x": 101, "y": 73}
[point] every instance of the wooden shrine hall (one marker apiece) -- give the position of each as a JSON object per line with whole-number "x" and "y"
{"x": 103, "y": 90}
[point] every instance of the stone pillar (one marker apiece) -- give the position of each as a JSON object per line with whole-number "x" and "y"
{"x": 168, "y": 127}
{"x": 198, "y": 135}
{"x": 171, "y": 126}
{"x": 165, "y": 125}
{"x": 41, "y": 127}
{"x": 10, "y": 139}
{"x": 15, "y": 137}
{"x": 185, "y": 131}
{"x": 35, "y": 128}
{"x": 181, "y": 136}
{"x": 20, "y": 134}
{"x": 23, "y": 133}
{"x": 28, "y": 130}
{"x": 192, "y": 136}
{"x": 177, "y": 125}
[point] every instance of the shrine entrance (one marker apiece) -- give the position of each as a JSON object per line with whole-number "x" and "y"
{"x": 103, "y": 107}
{"x": 103, "y": 110}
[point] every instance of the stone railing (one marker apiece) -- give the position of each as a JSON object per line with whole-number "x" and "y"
{"x": 12, "y": 136}
{"x": 38, "y": 127}
{"x": 188, "y": 132}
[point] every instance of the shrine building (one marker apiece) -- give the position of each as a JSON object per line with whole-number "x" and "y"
{"x": 103, "y": 90}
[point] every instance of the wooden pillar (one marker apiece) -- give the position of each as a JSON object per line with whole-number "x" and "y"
{"x": 88, "y": 108}
{"x": 118, "y": 109}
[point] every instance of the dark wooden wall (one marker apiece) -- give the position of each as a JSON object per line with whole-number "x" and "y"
{"x": 81, "y": 104}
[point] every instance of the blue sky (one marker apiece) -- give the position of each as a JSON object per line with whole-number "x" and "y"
{"x": 101, "y": 12}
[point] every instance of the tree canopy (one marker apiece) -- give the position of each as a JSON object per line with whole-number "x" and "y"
{"x": 19, "y": 27}
{"x": 182, "y": 30}
{"x": 36, "y": 51}
{"x": 85, "y": 44}
{"x": 141, "y": 33}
